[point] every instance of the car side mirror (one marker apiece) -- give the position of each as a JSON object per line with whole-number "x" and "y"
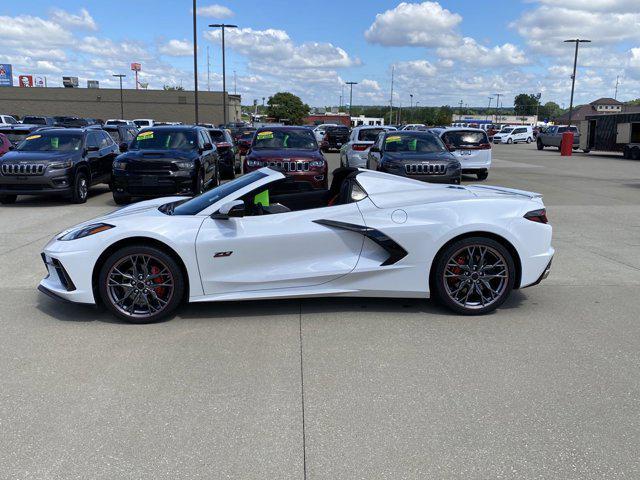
{"x": 124, "y": 146}
{"x": 233, "y": 209}
{"x": 374, "y": 149}
{"x": 451, "y": 148}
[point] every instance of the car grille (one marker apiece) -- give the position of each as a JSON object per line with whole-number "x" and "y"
{"x": 22, "y": 169}
{"x": 152, "y": 168}
{"x": 290, "y": 166}
{"x": 425, "y": 169}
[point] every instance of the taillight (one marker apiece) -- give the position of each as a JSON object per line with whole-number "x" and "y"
{"x": 359, "y": 147}
{"x": 223, "y": 145}
{"x": 539, "y": 216}
{"x": 485, "y": 146}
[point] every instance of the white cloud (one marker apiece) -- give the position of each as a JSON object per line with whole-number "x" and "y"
{"x": 82, "y": 21}
{"x": 214, "y": 11}
{"x": 176, "y": 48}
{"x": 419, "y": 68}
{"x": 274, "y": 48}
{"x": 424, "y": 24}
{"x": 471, "y": 52}
{"x": 25, "y": 31}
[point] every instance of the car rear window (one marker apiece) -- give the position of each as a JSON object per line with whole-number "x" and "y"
{"x": 369, "y": 134}
{"x": 462, "y": 138}
{"x": 217, "y": 136}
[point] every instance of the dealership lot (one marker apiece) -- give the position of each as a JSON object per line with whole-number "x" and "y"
{"x": 546, "y": 387}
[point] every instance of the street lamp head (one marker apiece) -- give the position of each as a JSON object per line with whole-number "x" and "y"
{"x": 222, "y": 25}
{"x": 577, "y": 40}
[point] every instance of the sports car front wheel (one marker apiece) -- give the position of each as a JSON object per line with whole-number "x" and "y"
{"x": 474, "y": 275}
{"x": 141, "y": 284}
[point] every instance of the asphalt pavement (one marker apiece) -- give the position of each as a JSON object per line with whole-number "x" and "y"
{"x": 546, "y": 387}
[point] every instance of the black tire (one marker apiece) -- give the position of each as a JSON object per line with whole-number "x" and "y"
{"x": 586, "y": 150}
{"x": 446, "y": 288}
{"x": 529, "y": 139}
{"x": 482, "y": 175}
{"x": 539, "y": 144}
{"x": 172, "y": 295}
{"x": 121, "y": 198}
{"x": 80, "y": 191}
{"x": 626, "y": 153}
{"x": 635, "y": 153}
{"x": 217, "y": 179}
{"x": 8, "y": 199}
{"x": 509, "y": 140}
{"x": 198, "y": 183}
{"x": 456, "y": 181}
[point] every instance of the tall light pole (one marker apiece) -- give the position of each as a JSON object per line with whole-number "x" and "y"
{"x": 577, "y": 41}
{"x": 121, "y": 76}
{"x": 224, "y": 80}
{"x": 486, "y": 117}
{"x": 195, "y": 62}
{"x": 416, "y": 107}
{"x": 351, "y": 84}
{"x": 411, "y": 106}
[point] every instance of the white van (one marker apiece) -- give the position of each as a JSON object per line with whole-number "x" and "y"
{"x": 514, "y": 134}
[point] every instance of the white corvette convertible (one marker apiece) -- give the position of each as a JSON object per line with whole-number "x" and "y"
{"x": 264, "y": 236}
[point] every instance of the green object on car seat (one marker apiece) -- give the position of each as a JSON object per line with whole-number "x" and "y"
{"x": 262, "y": 198}
{"x": 413, "y": 144}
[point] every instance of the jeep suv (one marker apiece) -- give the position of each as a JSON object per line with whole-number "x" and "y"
{"x": 57, "y": 161}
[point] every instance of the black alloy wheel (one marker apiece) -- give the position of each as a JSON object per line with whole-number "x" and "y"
{"x": 198, "y": 186}
{"x": 474, "y": 276}
{"x": 141, "y": 284}
{"x": 80, "y": 191}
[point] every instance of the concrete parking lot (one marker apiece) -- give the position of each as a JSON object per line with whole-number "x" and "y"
{"x": 546, "y": 387}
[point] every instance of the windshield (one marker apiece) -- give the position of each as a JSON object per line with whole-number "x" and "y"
{"x": 165, "y": 140}
{"x": 142, "y": 123}
{"x": 247, "y": 135}
{"x": 285, "y": 139}
{"x": 115, "y": 134}
{"x": 464, "y": 138}
{"x": 51, "y": 142}
{"x": 506, "y": 130}
{"x": 369, "y": 134}
{"x": 34, "y": 121}
{"x": 404, "y": 142}
{"x": 199, "y": 203}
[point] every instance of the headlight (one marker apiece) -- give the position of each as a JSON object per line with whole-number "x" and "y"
{"x": 255, "y": 163}
{"x": 119, "y": 165}
{"x": 316, "y": 164}
{"x": 185, "y": 165}
{"x": 85, "y": 231}
{"x": 60, "y": 165}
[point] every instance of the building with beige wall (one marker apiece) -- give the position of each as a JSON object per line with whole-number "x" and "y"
{"x": 104, "y": 103}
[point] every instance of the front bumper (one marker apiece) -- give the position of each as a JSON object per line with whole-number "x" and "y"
{"x": 67, "y": 276}
{"x": 56, "y": 182}
{"x": 357, "y": 160}
{"x": 180, "y": 182}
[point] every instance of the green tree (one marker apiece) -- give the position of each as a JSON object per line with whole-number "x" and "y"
{"x": 550, "y": 110}
{"x": 173, "y": 87}
{"x": 444, "y": 116}
{"x": 525, "y": 104}
{"x": 285, "y": 106}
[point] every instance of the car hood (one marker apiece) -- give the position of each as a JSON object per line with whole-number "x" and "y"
{"x": 159, "y": 155}
{"x": 418, "y": 156}
{"x": 268, "y": 154}
{"x": 16, "y": 156}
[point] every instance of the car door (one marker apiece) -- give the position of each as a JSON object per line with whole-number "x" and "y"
{"x": 107, "y": 153}
{"x": 93, "y": 155}
{"x": 375, "y": 157}
{"x": 207, "y": 157}
{"x": 285, "y": 250}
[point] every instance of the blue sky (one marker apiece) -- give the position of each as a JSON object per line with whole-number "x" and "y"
{"x": 442, "y": 52}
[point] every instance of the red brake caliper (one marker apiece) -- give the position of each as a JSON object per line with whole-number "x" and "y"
{"x": 159, "y": 290}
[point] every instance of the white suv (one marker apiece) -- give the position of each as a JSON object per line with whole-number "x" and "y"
{"x": 514, "y": 134}
{"x": 471, "y": 148}
{"x": 354, "y": 153}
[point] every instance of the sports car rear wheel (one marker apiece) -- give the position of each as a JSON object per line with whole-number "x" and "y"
{"x": 474, "y": 275}
{"x": 141, "y": 284}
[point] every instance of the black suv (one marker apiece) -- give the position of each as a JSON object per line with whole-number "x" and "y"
{"x": 57, "y": 161}
{"x": 123, "y": 135}
{"x": 166, "y": 160}
{"x": 334, "y": 138}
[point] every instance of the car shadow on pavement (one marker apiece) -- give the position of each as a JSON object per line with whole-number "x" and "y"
{"x": 53, "y": 200}
{"x": 69, "y": 312}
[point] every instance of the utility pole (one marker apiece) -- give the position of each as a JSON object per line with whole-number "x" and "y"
{"x": 486, "y": 117}
{"x": 498, "y": 95}
{"x": 235, "y": 83}
{"x": 195, "y": 61}
{"x": 460, "y": 109}
{"x": 224, "y": 76}
{"x": 351, "y": 84}
{"x": 615, "y": 95}
{"x": 393, "y": 67}
{"x": 121, "y": 76}
{"x": 208, "y": 71}
{"x": 577, "y": 41}
{"x": 410, "y": 107}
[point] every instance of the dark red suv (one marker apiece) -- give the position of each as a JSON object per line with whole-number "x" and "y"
{"x": 292, "y": 149}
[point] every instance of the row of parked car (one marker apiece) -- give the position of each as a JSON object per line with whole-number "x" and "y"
{"x": 152, "y": 161}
